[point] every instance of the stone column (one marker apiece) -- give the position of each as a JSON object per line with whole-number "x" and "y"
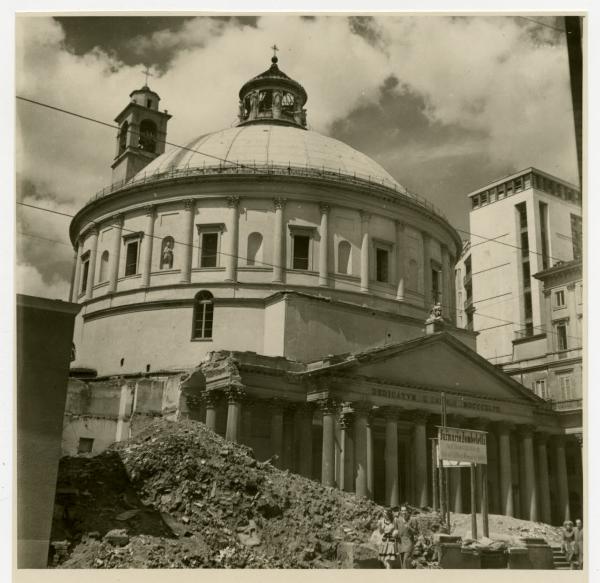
{"x": 247, "y": 421}
{"x": 530, "y": 511}
{"x": 364, "y": 252}
{"x": 93, "y": 234}
{"x": 305, "y": 413}
{"x": 76, "y": 283}
{"x": 328, "y": 408}
{"x": 562, "y": 483}
{"x": 392, "y": 497}
{"x": 187, "y": 238}
{"x": 421, "y": 458}
{"x": 543, "y": 479}
{"x": 231, "y": 253}
{"x": 324, "y": 245}
{"x": 147, "y": 245}
{"x": 506, "y": 492}
{"x": 347, "y": 453}
{"x": 400, "y": 259}
{"x": 278, "y": 241}
{"x": 210, "y": 401}
{"x": 235, "y": 394}
{"x": 370, "y": 457}
{"x": 456, "y": 500}
{"x": 115, "y": 253}
{"x": 277, "y": 430}
{"x": 427, "y": 284}
{"x": 361, "y": 411}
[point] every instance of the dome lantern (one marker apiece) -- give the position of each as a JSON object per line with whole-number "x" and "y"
{"x": 272, "y": 97}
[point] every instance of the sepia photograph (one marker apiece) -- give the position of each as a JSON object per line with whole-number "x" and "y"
{"x": 300, "y": 291}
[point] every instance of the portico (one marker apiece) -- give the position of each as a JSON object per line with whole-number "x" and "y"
{"x": 361, "y": 423}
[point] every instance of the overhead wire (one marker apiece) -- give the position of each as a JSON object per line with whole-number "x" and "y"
{"x": 328, "y": 277}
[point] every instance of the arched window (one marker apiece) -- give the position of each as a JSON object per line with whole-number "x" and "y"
{"x": 254, "y": 254}
{"x": 413, "y": 275}
{"x": 148, "y": 136}
{"x": 123, "y": 137}
{"x": 344, "y": 265}
{"x": 103, "y": 276}
{"x": 167, "y": 253}
{"x": 203, "y": 316}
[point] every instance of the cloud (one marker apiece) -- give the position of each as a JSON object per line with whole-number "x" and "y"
{"x": 445, "y": 104}
{"x": 28, "y": 280}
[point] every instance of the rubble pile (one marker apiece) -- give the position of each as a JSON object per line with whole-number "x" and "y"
{"x": 178, "y": 495}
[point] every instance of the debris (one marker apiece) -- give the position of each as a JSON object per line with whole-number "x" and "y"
{"x": 127, "y": 514}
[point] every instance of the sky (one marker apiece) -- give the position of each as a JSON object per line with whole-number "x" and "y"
{"x": 445, "y": 104}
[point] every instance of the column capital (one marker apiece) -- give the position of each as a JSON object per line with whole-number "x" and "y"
{"x": 279, "y": 203}
{"x": 188, "y": 204}
{"x": 417, "y": 416}
{"x": 541, "y": 438}
{"x": 346, "y": 420}
{"x": 365, "y": 217}
{"x": 557, "y": 440}
{"x": 363, "y": 407}
{"x": 277, "y": 404}
{"x": 458, "y": 420}
{"x": 235, "y": 393}
{"x": 578, "y": 438}
{"x": 328, "y": 406}
{"x": 324, "y": 208}
{"x": 571, "y": 286}
{"x": 481, "y": 424}
{"x": 211, "y": 397}
{"x": 503, "y": 426}
{"x": 425, "y": 235}
{"x": 118, "y": 220}
{"x": 525, "y": 430}
{"x": 92, "y": 230}
{"x": 390, "y": 413}
{"x": 149, "y": 210}
{"x": 233, "y": 201}
{"x": 400, "y": 225}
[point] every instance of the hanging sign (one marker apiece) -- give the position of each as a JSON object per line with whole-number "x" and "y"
{"x": 462, "y": 445}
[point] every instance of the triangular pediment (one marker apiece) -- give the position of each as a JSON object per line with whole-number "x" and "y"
{"x": 439, "y": 362}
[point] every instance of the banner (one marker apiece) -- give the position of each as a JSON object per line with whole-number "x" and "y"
{"x": 462, "y": 445}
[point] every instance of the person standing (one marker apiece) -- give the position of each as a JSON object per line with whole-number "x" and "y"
{"x": 579, "y": 542}
{"x": 568, "y": 541}
{"x": 407, "y": 532}
{"x": 388, "y": 529}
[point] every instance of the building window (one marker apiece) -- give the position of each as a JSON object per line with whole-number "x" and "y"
{"x": 103, "y": 275}
{"x": 561, "y": 336}
{"x": 540, "y": 388}
{"x": 382, "y": 260}
{"x": 85, "y": 270}
{"x": 85, "y": 445}
{"x": 501, "y": 192}
{"x": 167, "y": 253}
{"x": 203, "y": 316}
{"x": 544, "y": 235}
{"x": 209, "y": 245}
{"x": 527, "y": 181}
{"x": 300, "y": 251}
{"x": 475, "y": 202}
{"x": 131, "y": 257}
{"x": 484, "y": 198}
{"x": 576, "y": 236}
{"x": 509, "y": 188}
{"x": 518, "y": 183}
{"x": 435, "y": 285}
{"x": 566, "y": 387}
{"x": 255, "y": 245}
{"x": 528, "y": 308}
{"x": 344, "y": 265}
{"x": 123, "y": 137}
{"x": 522, "y": 211}
{"x": 559, "y": 299}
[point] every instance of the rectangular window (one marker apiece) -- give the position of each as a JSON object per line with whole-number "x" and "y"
{"x": 518, "y": 182}
{"x": 509, "y": 188}
{"x": 475, "y": 202}
{"x": 382, "y": 264}
{"x": 301, "y": 249}
{"x": 561, "y": 336}
{"x": 492, "y": 195}
{"x": 501, "y": 192}
{"x": 566, "y": 387}
{"x": 527, "y": 181}
{"x": 525, "y": 245}
{"x": 576, "y": 236}
{"x": 540, "y": 388}
{"x": 435, "y": 285}
{"x": 522, "y": 210}
{"x": 526, "y": 274}
{"x": 544, "y": 235}
{"x": 84, "y": 274}
{"x": 85, "y": 445}
{"x": 559, "y": 299}
{"x": 131, "y": 258}
{"x": 484, "y": 198}
{"x": 528, "y": 307}
{"x": 209, "y": 250}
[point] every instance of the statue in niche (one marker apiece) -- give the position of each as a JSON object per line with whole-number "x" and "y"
{"x": 276, "y": 99}
{"x": 435, "y": 315}
{"x": 242, "y": 112}
{"x": 167, "y": 256}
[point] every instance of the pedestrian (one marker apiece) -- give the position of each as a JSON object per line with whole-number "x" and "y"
{"x": 407, "y": 533}
{"x": 579, "y": 542}
{"x": 568, "y": 541}
{"x": 388, "y": 547}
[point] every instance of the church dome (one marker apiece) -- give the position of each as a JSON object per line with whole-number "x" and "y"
{"x": 267, "y": 146}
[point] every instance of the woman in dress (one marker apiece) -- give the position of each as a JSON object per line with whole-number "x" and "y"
{"x": 568, "y": 541}
{"x": 388, "y": 529}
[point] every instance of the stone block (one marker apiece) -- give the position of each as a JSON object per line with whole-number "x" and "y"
{"x": 493, "y": 558}
{"x": 470, "y": 558}
{"x": 450, "y": 557}
{"x": 518, "y": 558}
{"x": 358, "y": 556}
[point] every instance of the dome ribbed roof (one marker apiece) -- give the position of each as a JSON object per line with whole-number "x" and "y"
{"x": 264, "y": 143}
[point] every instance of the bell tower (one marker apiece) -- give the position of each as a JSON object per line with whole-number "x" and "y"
{"x": 142, "y": 133}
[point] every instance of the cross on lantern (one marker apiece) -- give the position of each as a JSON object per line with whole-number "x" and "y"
{"x": 275, "y": 49}
{"x": 148, "y": 74}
